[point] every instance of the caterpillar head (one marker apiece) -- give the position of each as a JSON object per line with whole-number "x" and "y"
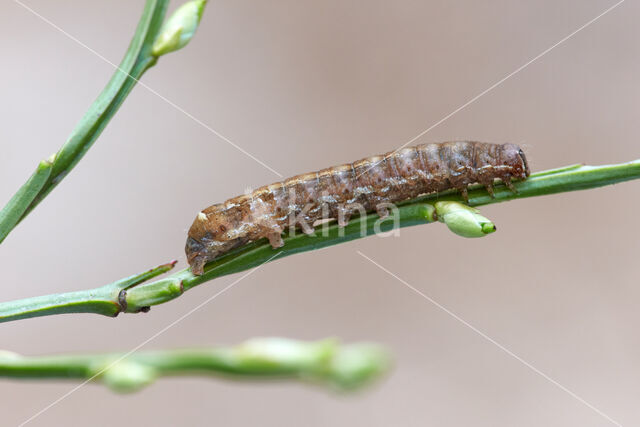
{"x": 199, "y": 252}
{"x": 214, "y": 232}
{"x": 511, "y": 155}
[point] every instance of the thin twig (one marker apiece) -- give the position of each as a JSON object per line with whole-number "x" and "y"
{"x": 140, "y": 297}
{"x": 49, "y": 173}
{"x": 325, "y": 362}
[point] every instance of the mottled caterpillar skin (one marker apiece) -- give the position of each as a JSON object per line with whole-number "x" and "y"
{"x": 371, "y": 183}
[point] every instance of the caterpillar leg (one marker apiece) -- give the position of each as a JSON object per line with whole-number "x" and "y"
{"x": 382, "y": 210}
{"x": 465, "y": 193}
{"x": 273, "y": 233}
{"x": 308, "y": 228}
{"x": 275, "y": 239}
{"x": 344, "y": 215}
{"x": 489, "y": 187}
{"x": 509, "y": 184}
{"x": 301, "y": 220}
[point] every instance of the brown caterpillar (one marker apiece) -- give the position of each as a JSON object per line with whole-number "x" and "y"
{"x": 371, "y": 183}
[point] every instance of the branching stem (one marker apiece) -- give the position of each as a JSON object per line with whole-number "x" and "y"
{"x": 50, "y": 172}
{"x": 326, "y": 362}
{"x": 112, "y": 299}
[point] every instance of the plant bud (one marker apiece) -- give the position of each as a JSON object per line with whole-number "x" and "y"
{"x": 357, "y": 365}
{"x": 464, "y": 220}
{"x": 179, "y": 29}
{"x": 126, "y": 376}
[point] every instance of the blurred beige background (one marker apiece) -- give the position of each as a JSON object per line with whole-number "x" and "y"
{"x": 303, "y": 85}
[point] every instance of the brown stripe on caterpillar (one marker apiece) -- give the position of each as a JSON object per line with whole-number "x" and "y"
{"x": 371, "y": 183}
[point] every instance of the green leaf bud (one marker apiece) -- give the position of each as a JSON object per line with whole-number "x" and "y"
{"x": 179, "y": 29}
{"x": 346, "y": 367}
{"x": 282, "y": 353}
{"x": 464, "y": 220}
{"x": 126, "y": 376}
{"x": 356, "y": 365}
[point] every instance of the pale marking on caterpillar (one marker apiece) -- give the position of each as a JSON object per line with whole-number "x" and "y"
{"x": 370, "y": 184}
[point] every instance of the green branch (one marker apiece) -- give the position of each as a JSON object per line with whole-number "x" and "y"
{"x": 140, "y": 297}
{"x": 49, "y": 173}
{"x": 105, "y": 300}
{"x": 325, "y": 362}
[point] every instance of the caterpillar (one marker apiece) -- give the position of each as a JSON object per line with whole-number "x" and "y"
{"x": 371, "y": 183}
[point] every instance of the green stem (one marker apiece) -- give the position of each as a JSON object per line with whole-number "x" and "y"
{"x": 414, "y": 212}
{"x": 326, "y": 362}
{"x": 137, "y": 60}
{"x": 106, "y": 300}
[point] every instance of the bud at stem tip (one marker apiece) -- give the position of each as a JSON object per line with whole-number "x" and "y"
{"x": 179, "y": 29}
{"x": 463, "y": 220}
